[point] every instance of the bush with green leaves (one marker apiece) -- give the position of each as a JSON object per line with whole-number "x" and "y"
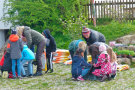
{"x": 125, "y": 52}
{"x": 62, "y": 17}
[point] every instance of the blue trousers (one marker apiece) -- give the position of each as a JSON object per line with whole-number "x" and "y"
{"x": 85, "y": 71}
{"x": 30, "y": 68}
{"x": 18, "y": 62}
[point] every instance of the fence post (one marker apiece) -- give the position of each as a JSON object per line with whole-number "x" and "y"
{"x": 126, "y": 12}
{"x": 112, "y": 9}
{"x": 132, "y": 12}
{"x": 96, "y": 10}
{"x": 122, "y": 10}
{"x": 120, "y": 15}
{"x": 99, "y": 10}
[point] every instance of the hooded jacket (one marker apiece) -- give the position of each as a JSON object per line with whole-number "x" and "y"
{"x": 94, "y": 37}
{"x": 27, "y": 54}
{"x": 33, "y": 37}
{"x": 15, "y": 46}
{"x": 74, "y": 45}
{"x": 77, "y": 64}
{"x": 52, "y": 45}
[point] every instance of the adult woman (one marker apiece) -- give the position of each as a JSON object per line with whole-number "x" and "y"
{"x": 34, "y": 38}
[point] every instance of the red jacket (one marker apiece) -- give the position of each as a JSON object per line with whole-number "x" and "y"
{"x": 2, "y": 60}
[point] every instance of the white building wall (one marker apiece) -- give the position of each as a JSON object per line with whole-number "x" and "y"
{"x": 2, "y": 38}
{"x": 2, "y": 24}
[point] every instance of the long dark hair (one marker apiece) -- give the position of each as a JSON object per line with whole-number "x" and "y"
{"x": 79, "y": 51}
{"x": 94, "y": 50}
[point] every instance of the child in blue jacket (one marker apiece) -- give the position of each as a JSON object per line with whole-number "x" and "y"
{"x": 79, "y": 66}
{"x": 27, "y": 56}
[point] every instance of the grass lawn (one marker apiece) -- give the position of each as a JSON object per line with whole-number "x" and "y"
{"x": 60, "y": 79}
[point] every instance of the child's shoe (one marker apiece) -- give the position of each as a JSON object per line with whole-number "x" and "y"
{"x": 23, "y": 76}
{"x": 103, "y": 78}
{"x": 80, "y": 78}
{"x": 51, "y": 70}
{"x": 73, "y": 78}
{"x": 13, "y": 77}
{"x": 109, "y": 77}
{"x": 5, "y": 74}
{"x": 19, "y": 77}
{"x": 30, "y": 75}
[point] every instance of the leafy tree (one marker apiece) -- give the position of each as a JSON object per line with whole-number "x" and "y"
{"x": 60, "y": 16}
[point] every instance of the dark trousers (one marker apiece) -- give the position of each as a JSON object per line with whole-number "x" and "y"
{"x": 40, "y": 48}
{"x": 49, "y": 61}
{"x": 71, "y": 53}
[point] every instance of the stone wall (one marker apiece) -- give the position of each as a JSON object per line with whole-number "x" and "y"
{"x": 125, "y": 61}
{"x": 126, "y": 40}
{"x": 131, "y": 47}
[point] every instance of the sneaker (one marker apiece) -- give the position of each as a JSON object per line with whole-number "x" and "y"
{"x": 30, "y": 75}
{"x": 109, "y": 77}
{"x": 80, "y": 78}
{"x": 23, "y": 75}
{"x": 19, "y": 77}
{"x": 51, "y": 70}
{"x": 38, "y": 73}
{"x": 13, "y": 77}
{"x": 103, "y": 78}
{"x": 46, "y": 71}
{"x": 73, "y": 78}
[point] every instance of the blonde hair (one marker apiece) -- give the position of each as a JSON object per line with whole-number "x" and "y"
{"x": 82, "y": 45}
{"x": 112, "y": 54}
{"x": 20, "y": 30}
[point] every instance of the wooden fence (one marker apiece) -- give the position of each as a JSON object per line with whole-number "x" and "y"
{"x": 114, "y": 9}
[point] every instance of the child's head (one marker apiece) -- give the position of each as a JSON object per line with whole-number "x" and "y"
{"x": 102, "y": 48}
{"x": 24, "y": 39}
{"x": 82, "y": 45}
{"x": 94, "y": 50}
{"x": 79, "y": 52}
{"x": 20, "y": 30}
{"x": 112, "y": 55}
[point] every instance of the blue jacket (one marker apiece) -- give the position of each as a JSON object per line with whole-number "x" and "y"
{"x": 27, "y": 54}
{"x": 77, "y": 64}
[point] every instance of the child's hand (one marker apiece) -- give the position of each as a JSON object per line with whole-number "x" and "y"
{"x": 93, "y": 64}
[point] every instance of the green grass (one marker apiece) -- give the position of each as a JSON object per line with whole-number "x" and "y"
{"x": 115, "y": 29}
{"x": 111, "y": 29}
{"x": 60, "y": 79}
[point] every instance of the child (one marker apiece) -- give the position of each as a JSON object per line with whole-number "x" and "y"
{"x": 113, "y": 60}
{"x": 15, "y": 48}
{"x": 50, "y": 49}
{"x": 74, "y": 45}
{"x": 78, "y": 63}
{"x": 27, "y": 56}
{"x": 104, "y": 62}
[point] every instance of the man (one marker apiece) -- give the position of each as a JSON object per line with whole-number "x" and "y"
{"x": 92, "y": 36}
